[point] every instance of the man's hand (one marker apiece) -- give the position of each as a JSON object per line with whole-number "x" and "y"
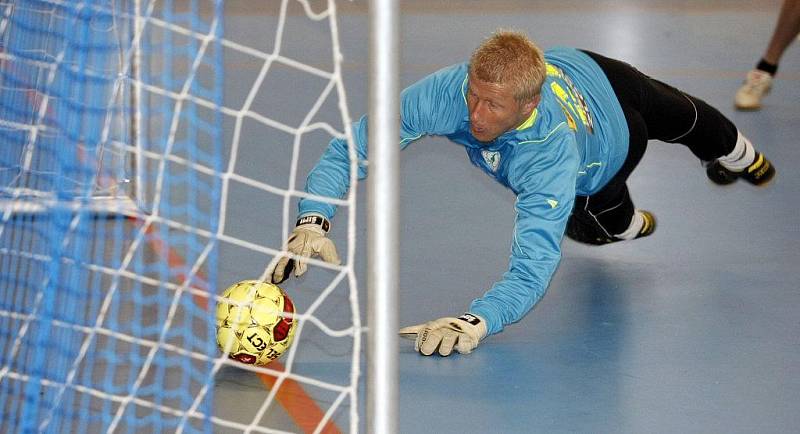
{"x": 308, "y": 240}
{"x": 462, "y": 333}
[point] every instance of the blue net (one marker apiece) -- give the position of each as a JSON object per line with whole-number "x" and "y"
{"x": 104, "y": 317}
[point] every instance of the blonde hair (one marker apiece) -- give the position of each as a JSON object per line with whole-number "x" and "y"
{"x": 510, "y": 58}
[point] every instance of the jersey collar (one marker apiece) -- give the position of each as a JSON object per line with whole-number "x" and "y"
{"x": 528, "y": 122}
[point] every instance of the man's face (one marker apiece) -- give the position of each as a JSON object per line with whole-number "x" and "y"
{"x": 493, "y": 109}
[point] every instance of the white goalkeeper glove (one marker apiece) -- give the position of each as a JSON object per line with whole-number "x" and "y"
{"x": 307, "y": 240}
{"x": 462, "y": 333}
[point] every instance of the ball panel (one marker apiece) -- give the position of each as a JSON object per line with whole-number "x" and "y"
{"x": 238, "y": 316}
{"x": 269, "y": 355}
{"x": 265, "y": 311}
{"x": 227, "y": 340}
{"x": 284, "y": 330}
{"x": 245, "y": 358}
{"x": 256, "y": 339}
{"x": 221, "y": 313}
{"x": 268, "y": 290}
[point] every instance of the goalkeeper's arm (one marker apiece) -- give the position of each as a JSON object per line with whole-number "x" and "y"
{"x": 330, "y": 177}
{"x": 543, "y": 206}
{"x": 422, "y": 112}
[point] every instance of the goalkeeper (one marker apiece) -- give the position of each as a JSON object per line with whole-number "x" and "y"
{"x": 563, "y": 130}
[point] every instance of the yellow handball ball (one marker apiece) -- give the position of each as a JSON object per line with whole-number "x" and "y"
{"x": 252, "y": 322}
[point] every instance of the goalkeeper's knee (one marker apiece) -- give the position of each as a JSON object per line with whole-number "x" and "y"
{"x": 582, "y": 228}
{"x": 586, "y": 228}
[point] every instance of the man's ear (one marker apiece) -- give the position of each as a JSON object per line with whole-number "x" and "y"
{"x": 532, "y": 104}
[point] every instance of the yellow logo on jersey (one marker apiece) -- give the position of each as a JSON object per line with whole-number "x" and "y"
{"x": 572, "y": 102}
{"x": 570, "y": 120}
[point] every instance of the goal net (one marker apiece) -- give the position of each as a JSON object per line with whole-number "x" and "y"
{"x": 153, "y": 153}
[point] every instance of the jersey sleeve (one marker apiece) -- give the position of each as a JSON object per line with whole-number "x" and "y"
{"x": 544, "y": 179}
{"x": 330, "y": 177}
{"x": 432, "y": 106}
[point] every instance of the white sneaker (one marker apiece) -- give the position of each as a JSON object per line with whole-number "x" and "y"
{"x": 756, "y": 85}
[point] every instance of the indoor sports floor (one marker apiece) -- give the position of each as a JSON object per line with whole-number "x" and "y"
{"x": 695, "y": 329}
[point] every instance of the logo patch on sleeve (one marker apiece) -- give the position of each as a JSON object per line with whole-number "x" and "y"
{"x": 492, "y": 159}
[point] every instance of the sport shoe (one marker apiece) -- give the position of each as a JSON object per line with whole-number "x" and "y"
{"x": 759, "y": 173}
{"x": 649, "y": 225}
{"x": 756, "y": 85}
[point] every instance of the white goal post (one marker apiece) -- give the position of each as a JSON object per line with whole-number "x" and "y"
{"x": 383, "y": 219}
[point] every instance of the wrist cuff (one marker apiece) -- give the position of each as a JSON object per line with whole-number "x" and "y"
{"x": 314, "y": 219}
{"x": 479, "y": 330}
{"x": 470, "y": 318}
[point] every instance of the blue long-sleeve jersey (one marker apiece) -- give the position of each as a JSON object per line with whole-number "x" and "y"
{"x": 573, "y": 143}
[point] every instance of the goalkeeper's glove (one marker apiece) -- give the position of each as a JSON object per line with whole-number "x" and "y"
{"x": 307, "y": 240}
{"x": 462, "y": 333}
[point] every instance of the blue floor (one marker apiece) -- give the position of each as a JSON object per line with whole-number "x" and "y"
{"x": 695, "y": 329}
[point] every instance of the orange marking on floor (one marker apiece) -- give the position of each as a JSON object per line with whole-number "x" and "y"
{"x": 303, "y": 410}
{"x": 175, "y": 261}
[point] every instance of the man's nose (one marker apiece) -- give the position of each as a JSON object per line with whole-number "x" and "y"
{"x": 476, "y": 114}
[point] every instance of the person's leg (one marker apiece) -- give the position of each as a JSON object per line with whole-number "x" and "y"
{"x": 759, "y": 80}
{"x": 786, "y": 30}
{"x": 609, "y": 215}
{"x": 712, "y": 137}
{"x": 676, "y": 117}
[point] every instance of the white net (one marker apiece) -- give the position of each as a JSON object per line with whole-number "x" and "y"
{"x": 295, "y": 105}
{"x": 197, "y": 121}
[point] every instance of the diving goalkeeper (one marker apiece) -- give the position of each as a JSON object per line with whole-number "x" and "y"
{"x": 563, "y": 130}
